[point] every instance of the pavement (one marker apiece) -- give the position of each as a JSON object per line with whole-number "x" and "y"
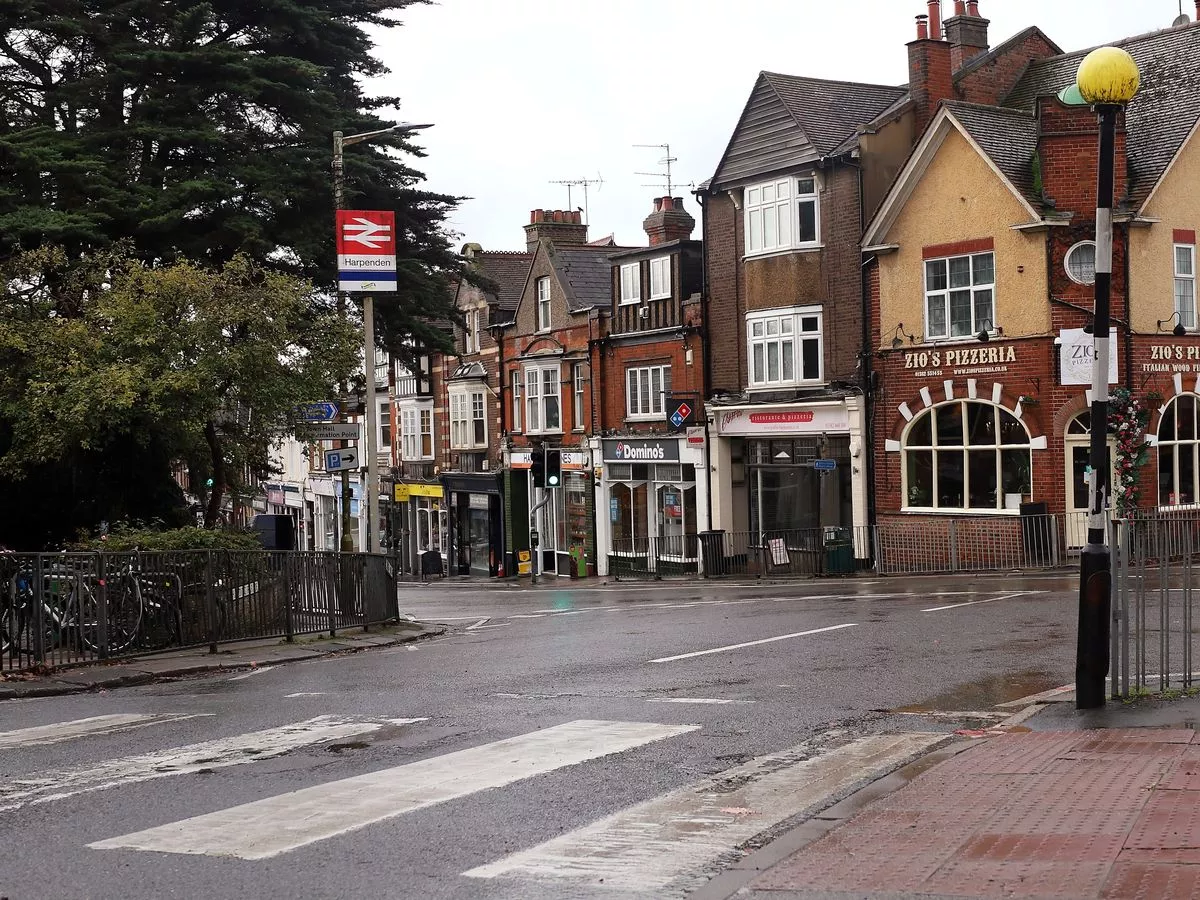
{"x": 1068, "y": 803}
{"x": 196, "y": 661}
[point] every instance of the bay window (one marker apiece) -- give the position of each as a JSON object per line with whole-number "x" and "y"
{"x": 516, "y": 401}
{"x": 542, "y": 400}
{"x": 468, "y": 420}
{"x": 784, "y": 347}
{"x": 782, "y": 214}
{"x": 416, "y": 432}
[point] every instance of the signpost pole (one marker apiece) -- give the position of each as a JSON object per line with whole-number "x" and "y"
{"x": 347, "y": 542}
{"x": 371, "y": 542}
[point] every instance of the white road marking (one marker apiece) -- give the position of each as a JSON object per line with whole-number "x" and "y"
{"x": 482, "y": 627}
{"x": 712, "y": 700}
{"x": 306, "y": 694}
{"x": 662, "y": 847}
{"x": 280, "y": 824}
{"x": 770, "y": 640}
{"x": 45, "y": 787}
{"x": 40, "y": 735}
{"x": 1008, "y": 596}
{"x": 255, "y": 671}
{"x": 527, "y": 616}
{"x": 482, "y": 621}
{"x": 1034, "y": 698}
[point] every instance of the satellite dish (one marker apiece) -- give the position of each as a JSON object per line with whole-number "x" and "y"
{"x": 1181, "y": 19}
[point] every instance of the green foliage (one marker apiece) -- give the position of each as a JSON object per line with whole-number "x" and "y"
{"x": 203, "y": 131}
{"x": 121, "y": 540}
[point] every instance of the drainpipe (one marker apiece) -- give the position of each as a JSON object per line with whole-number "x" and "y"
{"x": 1129, "y": 302}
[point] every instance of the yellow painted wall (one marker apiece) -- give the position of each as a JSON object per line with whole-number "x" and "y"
{"x": 1151, "y": 250}
{"x": 960, "y": 198}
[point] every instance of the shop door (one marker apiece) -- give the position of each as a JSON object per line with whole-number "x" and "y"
{"x": 548, "y": 532}
{"x": 1078, "y": 448}
{"x": 479, "y": 538}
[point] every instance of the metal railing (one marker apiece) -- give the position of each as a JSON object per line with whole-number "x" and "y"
{"x": 1156, "y": 574}
{"x": 912, "y": 546}
{"x": 62, "y": 608}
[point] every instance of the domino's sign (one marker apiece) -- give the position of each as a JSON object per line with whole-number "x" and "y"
{"x": 641, "y": 450}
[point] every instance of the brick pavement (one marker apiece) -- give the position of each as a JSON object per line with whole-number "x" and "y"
{"x": 1080, "y": 814}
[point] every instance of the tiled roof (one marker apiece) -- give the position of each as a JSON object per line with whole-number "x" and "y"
{"x": 1162, "y": 114}
{"x": 508, "y": 270}
{"x": 829, "y": 112}
{"x": 586, "y": 274}
{"x": 1008, "y": 136}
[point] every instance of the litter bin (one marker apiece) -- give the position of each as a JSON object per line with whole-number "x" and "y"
{"x": 712, "y": 550}
{"x": 839, "y": 552}
{"x": 1036, "y": 536}
{"x": 578, "y": 562}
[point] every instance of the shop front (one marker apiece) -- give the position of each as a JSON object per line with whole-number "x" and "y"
{"x": 476, "y": 524}
{"x": 652, "y": 494}
{"x": 420, "y": 525}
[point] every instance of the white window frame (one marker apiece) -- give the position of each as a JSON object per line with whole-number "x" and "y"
{"x": 471, "y": 329}
{"x": 1076, "y": 248}
{"x": 642, "y": 401}
{"x": 631, "y": 283}
{"x": 383, "y": 428}
{"x": 660, "y": 278}
{"x": 965, "y": 448}
{"x": 416, "y": 421}
{"x": 468, "y": 411}
{"x": 517, "y": 393}
{"x": 1185, "y": 281}
{"x": 544, "y": 315}
{"x": 789, "y": 330}
{"x": 1171, "y": 449}
{"x": 577, "y": 397}
{"x": 537, "y": 398}
{"x": 942, "y": 297}
{"x": 772, "y": 214}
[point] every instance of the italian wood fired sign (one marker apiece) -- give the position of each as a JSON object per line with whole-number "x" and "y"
{"x": 1173, "y": 358}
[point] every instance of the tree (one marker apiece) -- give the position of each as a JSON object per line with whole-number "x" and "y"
{"x": 202, "y": 130}
{"x": 187, "y": 363}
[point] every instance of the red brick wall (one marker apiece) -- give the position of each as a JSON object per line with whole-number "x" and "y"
{"x": 573, "y": 338}
{"x": 991, "y": 82}
{"x": 726, "y": 309}
{"x": 616, "y": 358}
{"x": 1068, "y": 150}
{"x": 929, "y": 78}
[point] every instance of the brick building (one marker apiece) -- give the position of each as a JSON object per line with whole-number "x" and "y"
{"x": 980, "y": 262}
{"x": 550, "y": 389}
{"x": 652, "y": 493}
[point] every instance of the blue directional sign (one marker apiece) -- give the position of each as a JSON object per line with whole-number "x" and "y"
{"x": 325, "y": 411}
{"x": 824, "y": 465}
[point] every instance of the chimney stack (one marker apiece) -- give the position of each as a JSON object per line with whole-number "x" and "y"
{"x": 1198, "y": 10}
{"x": 929, "y": 74}
{"x": 967, "y": 33}
{"x": 558, "y": 226}
{"x": 669, "y": 221}
{"x": 935, "y": 19}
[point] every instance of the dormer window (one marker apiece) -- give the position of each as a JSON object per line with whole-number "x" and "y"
{"x": 660, "y": 278}
{"x": 631, "y": 283}
{"x": 783, "y": 214}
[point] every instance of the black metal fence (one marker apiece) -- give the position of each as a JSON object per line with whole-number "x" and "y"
{"x": 63, "y": 608}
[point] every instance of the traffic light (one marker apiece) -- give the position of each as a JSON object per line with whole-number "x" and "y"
{"x": 537, "y": 467}
{"x": 553, "y": 468}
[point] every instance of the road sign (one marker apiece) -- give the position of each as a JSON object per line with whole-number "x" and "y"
{"x": 679, "y": 413}
{"x": 337, "y": 460}
{"x": 325, "y": 411}
{"x": 328, "y": 431}
{"x": 824, "y": 465}
{"x": 366, "y": 250}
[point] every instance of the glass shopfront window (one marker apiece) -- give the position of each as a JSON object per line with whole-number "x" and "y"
{"x": 787, "y": 492}
{"x": 653, "y": 505}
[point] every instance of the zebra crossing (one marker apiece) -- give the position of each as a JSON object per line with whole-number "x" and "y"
{"x": 660, "y": 847}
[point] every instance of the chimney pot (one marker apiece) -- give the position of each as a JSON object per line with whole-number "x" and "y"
{"x": 1198, "y": 10}
{"x": 973, "y": 8}
{"x": 922, "y": 28}
{"x": 935, "y": 20}
{"x": 960, "y": 7}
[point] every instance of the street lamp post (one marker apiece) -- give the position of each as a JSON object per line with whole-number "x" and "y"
{"x": 371, "y": 487}
{"x": 1108, "y": 79}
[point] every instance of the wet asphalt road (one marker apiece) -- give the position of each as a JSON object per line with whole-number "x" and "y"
{"x": 517, "y": 661}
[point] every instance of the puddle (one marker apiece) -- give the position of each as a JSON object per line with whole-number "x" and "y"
{"x": 988, "y": 692}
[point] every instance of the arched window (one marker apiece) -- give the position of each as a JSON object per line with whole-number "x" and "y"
{"x": 1178, "y": 445}
{"x": 966, "y": 455}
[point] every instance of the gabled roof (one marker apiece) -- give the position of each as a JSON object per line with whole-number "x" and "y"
{"x": 1161, "y": 116}
{"x": 585, "y": 274}
{"x": 508, "y": 270}
{"x": 788, "y": 119}
{"x": 1005, "y": 138}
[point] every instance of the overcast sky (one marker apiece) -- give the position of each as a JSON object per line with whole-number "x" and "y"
{"x": 526, "y": 92}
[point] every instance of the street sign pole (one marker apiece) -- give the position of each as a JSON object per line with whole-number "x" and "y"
{"x": 347, "y": 542}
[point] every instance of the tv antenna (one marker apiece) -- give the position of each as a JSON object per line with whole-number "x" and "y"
{"x": 1182, "y": 19}
{"x": 585, "y": 183}
{"x": 667, "y": 161}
